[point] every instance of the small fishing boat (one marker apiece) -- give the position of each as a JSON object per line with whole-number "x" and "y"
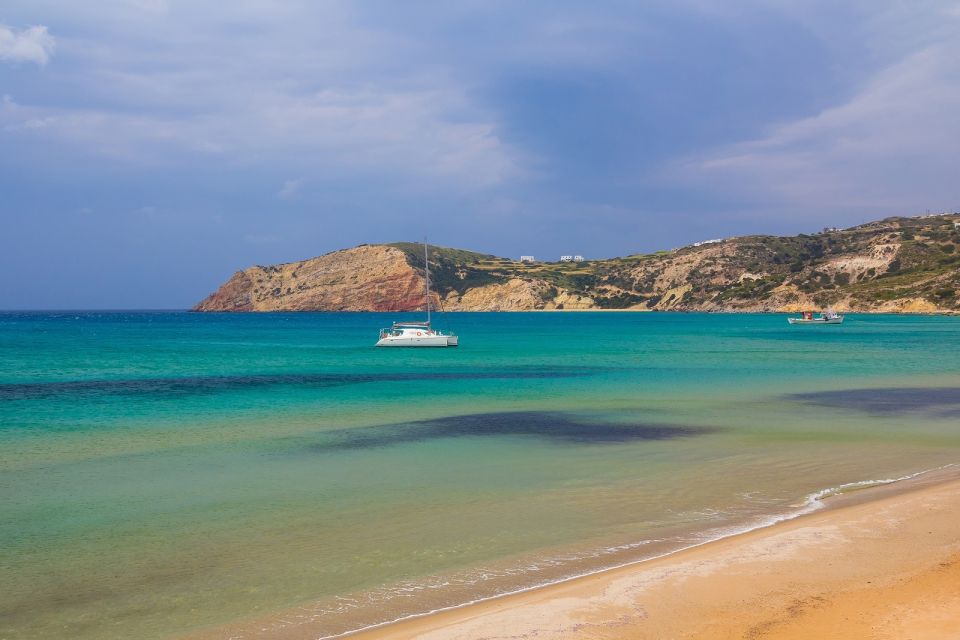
{"x": 418, "y": 334}
{"x": 826, "y": 317}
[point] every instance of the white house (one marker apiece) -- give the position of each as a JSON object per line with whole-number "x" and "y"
{"x": 578, "y": 258}
{"x": 527, "y": 259}
{"x": 566, "y": 258}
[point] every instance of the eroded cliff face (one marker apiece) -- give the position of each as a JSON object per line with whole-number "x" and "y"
{"x": 907, "y": 265}
{"x": 516, "y": 295}
{"x": 365, "y": 278}
{"x": 740, "y": 275}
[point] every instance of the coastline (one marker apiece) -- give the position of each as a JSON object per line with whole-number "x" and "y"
{"x": 874, "y": 563}
{"x": 726, "y": 311}
{"x": 891, "y": 544}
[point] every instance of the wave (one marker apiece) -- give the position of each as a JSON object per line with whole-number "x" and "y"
{"x": 811, "y": 502}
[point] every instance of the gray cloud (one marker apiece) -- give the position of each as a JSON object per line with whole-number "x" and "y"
{"x": 889, "y": 147}
{"x": 608, "y": 128}
{"x": 406, "y": 132}
{"x": 308, "y": 84}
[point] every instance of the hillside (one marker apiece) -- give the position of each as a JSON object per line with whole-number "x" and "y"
{"x": 896, "y": 264}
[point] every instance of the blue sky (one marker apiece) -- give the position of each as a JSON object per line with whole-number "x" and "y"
{"x": 149, "y": 148}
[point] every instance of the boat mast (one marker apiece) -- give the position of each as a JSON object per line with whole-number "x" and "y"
{"x": 426, "y": 270}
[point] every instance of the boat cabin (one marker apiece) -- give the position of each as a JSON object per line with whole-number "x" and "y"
{"x": 408, "y": 328}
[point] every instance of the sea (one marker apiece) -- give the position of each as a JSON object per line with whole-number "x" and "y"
{"x": 174, "y": 474}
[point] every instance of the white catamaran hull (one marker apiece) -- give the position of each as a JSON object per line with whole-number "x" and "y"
{"x": 418, "y": 341}
{"x": 417, "y": 334}
{"x": 815, "y": 321}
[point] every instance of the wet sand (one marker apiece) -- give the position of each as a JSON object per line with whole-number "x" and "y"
{"x": 884, "y": 564}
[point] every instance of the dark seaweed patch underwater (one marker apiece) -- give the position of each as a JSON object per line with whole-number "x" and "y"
{"x": 548, "y": 425}
{"x": 940, "y": 401}
{"x": 198, "y": 385}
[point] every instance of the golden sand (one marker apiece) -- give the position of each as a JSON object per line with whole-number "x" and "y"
{"x": 887, "y": 568}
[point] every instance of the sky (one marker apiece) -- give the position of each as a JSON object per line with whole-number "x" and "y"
{"x": 150, "y": 148}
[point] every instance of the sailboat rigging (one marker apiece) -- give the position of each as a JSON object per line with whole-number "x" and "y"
{"x": 418, "y": 334}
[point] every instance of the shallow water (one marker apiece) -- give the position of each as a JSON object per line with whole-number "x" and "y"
{"x": 167, "y": 472}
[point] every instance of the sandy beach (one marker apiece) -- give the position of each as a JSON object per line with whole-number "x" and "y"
{"x": 885, "y": 565}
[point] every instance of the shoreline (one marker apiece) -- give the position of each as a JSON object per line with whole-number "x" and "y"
{"x": 936, "y": 313}
{"x": 513, "y": 611}
{"x": 828, "y": 498}
{"x": 604, "y": 604}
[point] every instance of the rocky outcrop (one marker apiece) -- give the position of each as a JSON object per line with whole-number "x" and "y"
{"x": 365, "y": 278}
{"x": 908, "y": 265}
{"x": 515, "y": 294}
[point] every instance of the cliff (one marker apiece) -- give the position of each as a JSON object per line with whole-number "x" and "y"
{"x": 895, "y": 265}
{"x": 366, "y": 278}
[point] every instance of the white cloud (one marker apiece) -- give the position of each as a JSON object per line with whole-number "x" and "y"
{"x": 890, "y": 147}
{"x": 33, "y": 44}
{"x": 426, "y": 132}
{"x": 290, "y": 188}
{"x": 328, "y": 93}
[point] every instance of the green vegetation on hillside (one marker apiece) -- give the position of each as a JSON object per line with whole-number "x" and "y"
{"x": 867, "y": 265}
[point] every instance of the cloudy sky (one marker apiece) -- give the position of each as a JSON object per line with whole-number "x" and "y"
{"x": 149, "y": 148}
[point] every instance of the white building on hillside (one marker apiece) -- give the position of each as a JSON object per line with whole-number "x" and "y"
{"x": 566, "y": 258}
{"x": 527, "y": 259}
{"x": 578, "y": 258}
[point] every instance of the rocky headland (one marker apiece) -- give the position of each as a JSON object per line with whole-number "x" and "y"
{"x": 893, "y": 265}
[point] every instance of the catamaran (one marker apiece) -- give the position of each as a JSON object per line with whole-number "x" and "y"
{"x": 418, "y": 334}
{"x": 827, "y": 317}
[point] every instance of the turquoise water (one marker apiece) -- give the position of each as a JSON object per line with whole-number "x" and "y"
{"x": 165, "y": 473}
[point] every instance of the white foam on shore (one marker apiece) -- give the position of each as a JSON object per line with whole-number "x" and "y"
{"x": 812, "y": 502}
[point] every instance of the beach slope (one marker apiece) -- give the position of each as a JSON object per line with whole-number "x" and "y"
{"x": 888, "y": 567}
